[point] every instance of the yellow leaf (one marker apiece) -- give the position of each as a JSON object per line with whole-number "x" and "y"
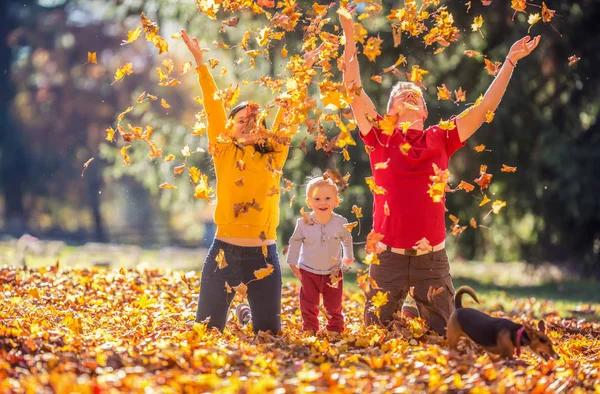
{"x": 346, "y": 154}
{"x": 125, "y": 155}
{"x": 264, "y": 272}
{"x": 187, "y": 66}
{"x": 164, "y": 103}
{"x": 169, "y": 158}
{"x": 497, "y": 206}
{"x": 404, "y": 148}
{"x": 489, "y": 116}
{"x": 447, "y": 124}
{"x": 479, "y": 148}
{"x": 533, "y": 19}
{"x": 132, "y": 35}
{"x": 484, "y": 201}
{"x": 350, "y": 226}
{"x": 92, "y": 58}
{"x": 166, "y": 186}
{"x": 382, "y": 165}
{"x": 443, "y": 93}
{"x": 379, "y": 299}
{"x": 372, "y": 48}
{"x": 477, "y": 23}
{"x": 220, "y": 259}
{"x": 372, "y": 258}
{"x": 186, "y": 151}
{"x": 110, "y": 134}
{"x": 122, "y": 71}
{"x": 373, "y": 187}
{"x": 388, "y": 124}
{"x": 417, "y": 73}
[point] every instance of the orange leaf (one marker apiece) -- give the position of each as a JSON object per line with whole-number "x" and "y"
{"x": 110, "y": 134}
{"x": 264, "y": 272}
{"x": 506, "y": 168}
{"x": 492, "y": 68}
{"x": 166, "y": 186}
{"x": 484, "y": 201}
{"x": 122, "y": 71}
{"x": 497, "y": 206}
{"x": 164, "y": 103}
{"x": 350, "y": 226}
{"x": 479, "y": 148}
{"x": 92, "y": 58}
{"x": 241, "y": 290}
{"x": 125, "y": 155}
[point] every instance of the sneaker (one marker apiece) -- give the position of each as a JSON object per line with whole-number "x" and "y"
{"x": 243, "y": 314}
{"x": 410, "y": 311}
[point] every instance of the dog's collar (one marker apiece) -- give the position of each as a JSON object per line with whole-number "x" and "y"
{"x": 519, "y": 335}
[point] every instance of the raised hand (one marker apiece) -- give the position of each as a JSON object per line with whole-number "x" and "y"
{"x": 194, "y": 47}
{"x": 522, "y": 48}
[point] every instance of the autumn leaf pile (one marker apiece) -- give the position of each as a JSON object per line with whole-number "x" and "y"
{"x": 97, "y": 331}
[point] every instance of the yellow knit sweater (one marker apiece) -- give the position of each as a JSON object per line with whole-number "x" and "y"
{"x": 248, "y": 193}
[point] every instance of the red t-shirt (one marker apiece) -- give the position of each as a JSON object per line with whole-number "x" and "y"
{"x": 413, "y": 214}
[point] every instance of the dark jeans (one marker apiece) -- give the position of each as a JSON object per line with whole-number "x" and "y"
{"x": 264, "y": 295}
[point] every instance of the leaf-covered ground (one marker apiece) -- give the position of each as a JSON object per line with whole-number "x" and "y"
{"x": 95, "y": 331}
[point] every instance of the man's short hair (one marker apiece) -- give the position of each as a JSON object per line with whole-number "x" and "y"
{"x": 402, "y": 86}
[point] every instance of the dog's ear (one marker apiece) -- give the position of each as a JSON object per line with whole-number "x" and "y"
{"x": 542, "y": 326}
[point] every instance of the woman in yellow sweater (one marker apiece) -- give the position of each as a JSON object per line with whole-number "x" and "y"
{"x": 248, "y": 166}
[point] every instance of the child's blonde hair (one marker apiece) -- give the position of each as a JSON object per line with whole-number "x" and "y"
{"x": 319, "y": 182}
{"x": 402, "y": 86}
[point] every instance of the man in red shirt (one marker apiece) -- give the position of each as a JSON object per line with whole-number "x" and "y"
{"x": 412, "y": 250}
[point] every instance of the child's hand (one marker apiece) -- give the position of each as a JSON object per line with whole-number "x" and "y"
{"x": 194, "y": 47}
{"x": 348, "y": 261}
{"x": 296, "y": 272}
{"x": 522, "y": 48}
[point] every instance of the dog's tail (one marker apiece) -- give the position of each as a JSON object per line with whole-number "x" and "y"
{"x": 458, "y": 297}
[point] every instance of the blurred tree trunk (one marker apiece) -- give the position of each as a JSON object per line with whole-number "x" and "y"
{"x": 13, "y": 161}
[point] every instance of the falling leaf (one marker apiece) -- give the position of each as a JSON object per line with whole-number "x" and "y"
{"x": 497, "y": 206}
{"x": 506, "y": 168}
{"x": 386, "y": 209}
{"x": 132, "y": 35}
{"x": 240, "y": 165}
{"x": 379, "y": 299}
{"x": 87, "y": 163}
{"x": 213, "y": 63}
{"x": 166, "y": 186}
{"x": 416, "y": 74}
{"x": 477, "y": 23}
{"x": 372, "y": 259}
{"x": 239, "y": 182}
{"x": 357, "y": 211}
{"x": 484, "y": 178}
{"x": 164, "y": 103}
{"x": 374, "y": 187}
{"x": 443, "y": 92}
{"x": 479, "y": 148}
{"x": 241, "y": 290}
{"x": 532, "y": 20}
{"x": 372, "y": 48}
{"x": 92, "y": 58}
{"x": 110, "y": 134}
{"x": 122, "y": 71}
{"x": 125, "y": 155}
{"x": 440, "y": 178}
{"x": 484, "y": 201}
{"x": 186, "y": 151}
{"x": 446, "y": 124}
{"x": 404, "y": 148}
{"x": 573, "y": 59}
{"x": 169, "y": 158}
{"x": 492, "y": 68}
{"x": 473, "y": 223}
{"x": 179, "y": 169}
{"x": 489, "y": 116}
{"x": 264, "y": 272}
{"x": 466, "y": 186}
{"x": 547, "y": 14}
{"x": 382, "y": 165}
{"x": 187, "y": 66}
{"x": 220, "y": 259}
{"x": 377, "y": 78}
{"x": 471, "y": 53}
{"x": 350, "y": 226}
{"x": 461, "y": 95}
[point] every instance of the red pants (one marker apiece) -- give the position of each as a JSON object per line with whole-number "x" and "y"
{"x": 313, "y": 285}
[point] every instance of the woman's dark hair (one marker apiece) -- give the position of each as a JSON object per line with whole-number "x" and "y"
{"x": 262, "y": 148}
